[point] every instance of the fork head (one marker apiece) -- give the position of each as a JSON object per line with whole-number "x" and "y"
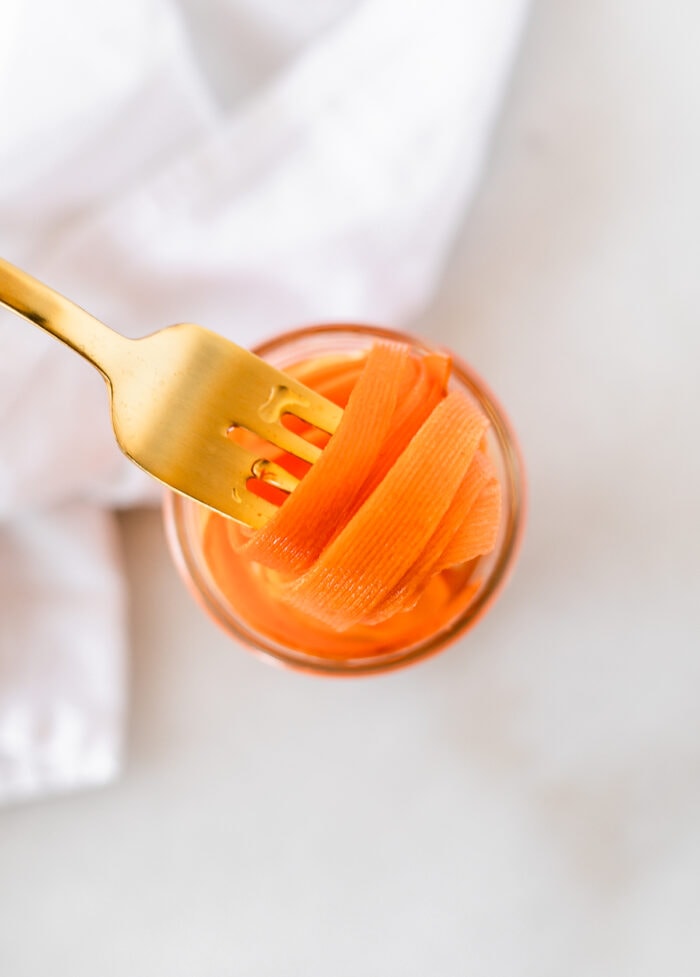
{"x": 178, "y": 395}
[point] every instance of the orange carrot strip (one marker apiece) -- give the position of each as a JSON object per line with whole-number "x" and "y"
{"x": 479, "y": 532}
{"x": 378, "y": 546}
{"x": 328, "y": 494}
{"x": 412, "y": 410}
{"x": 438, "y": 553}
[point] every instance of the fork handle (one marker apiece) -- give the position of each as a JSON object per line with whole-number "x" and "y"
{"x": 65, "y": 320}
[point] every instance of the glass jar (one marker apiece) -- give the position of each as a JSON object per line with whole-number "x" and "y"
{"x": 458, "y": 598}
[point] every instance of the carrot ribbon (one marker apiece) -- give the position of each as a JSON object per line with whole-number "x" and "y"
{"x": 404, "y": 490}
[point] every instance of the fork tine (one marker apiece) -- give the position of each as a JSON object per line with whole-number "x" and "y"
{"x": 288, "y": 441}
{"x": 272, "y": 474}
{"x": 318, "y": 411}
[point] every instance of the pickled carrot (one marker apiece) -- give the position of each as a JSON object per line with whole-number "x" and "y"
{"x": 403, "y": 492}
{"x": 332, "y": 488}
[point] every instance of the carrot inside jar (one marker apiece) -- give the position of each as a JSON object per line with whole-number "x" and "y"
{"x": 380, "y": 543}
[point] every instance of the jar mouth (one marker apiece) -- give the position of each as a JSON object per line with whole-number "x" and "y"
{"x": 184, "y": 518}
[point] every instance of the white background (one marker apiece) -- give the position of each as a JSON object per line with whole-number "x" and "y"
{"x": 527, "y": 804}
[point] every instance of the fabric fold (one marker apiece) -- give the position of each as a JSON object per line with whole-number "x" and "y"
{"x": 331, "y": 190}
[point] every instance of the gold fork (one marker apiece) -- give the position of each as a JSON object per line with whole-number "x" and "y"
{"x": 177, "y": 395}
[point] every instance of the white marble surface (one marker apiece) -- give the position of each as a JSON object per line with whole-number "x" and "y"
{"x": 528, "y": 804}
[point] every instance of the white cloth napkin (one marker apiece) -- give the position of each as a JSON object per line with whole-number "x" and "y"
{"x": 248, "y": 165}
